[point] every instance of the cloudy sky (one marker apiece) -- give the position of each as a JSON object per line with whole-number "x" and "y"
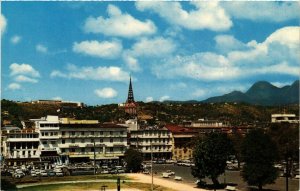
{"x": 86, "y": 51}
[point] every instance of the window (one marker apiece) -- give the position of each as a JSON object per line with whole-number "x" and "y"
{"x": 121, "y": 139}
{"x": 122, "y": 149}
{"x": 43, "y": 134}
{"x": 63, "y": 141}
{"x": 111, "y": 149}
{"x": 82, "y": 132}
{"x": 73, "y": 132}
{"x": 121, "y": 132}
{"x": 92, "y": 140}
{"x": 101, "y": 132}
{"x": 53, "y": 142}
{"x": 72, "y": 150}
{"x": 111, "y": 133}
{"x": 92, "y": 133}
{"x": 73, "y": 140}
{"x": 101, "y": 140}
{"x": 82, "y": 140}
{"x": 63, "y": 133}
{"x": 63, "y": 150}
{"x": 44, "y": 142}
{"x": 111, "y": 140}
{"x": 34, "y": 152}
{"x": 92, "y": 149}
{"x": 46, "y": 134}
{"x": 82, "y": 150}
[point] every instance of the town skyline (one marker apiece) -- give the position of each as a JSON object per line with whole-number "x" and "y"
{"x": 76, "y": 57}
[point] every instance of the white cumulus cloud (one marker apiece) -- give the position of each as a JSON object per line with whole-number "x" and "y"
{"x": 104, "y": 49}
{"x": 22, "y": 78}
{"x": 119, "y": 24}
{"x": 41, "y": 48}
{"x": 3, "y": 23}
{"x": 267, "y": 11}
{"x": 15, "y": 39}
{"x": 164, "y": 98}
{"x": 14, "y": 86}
{"x": 106, "y": 92}
{"x": 24, "y": 69}
{"x": 148, "y": 47}
{"x": 57, "y": 98}
{"x": 149, "y": 99}
{"x": 204, "y": 15}
{"x": 278, "y": 54}
{"x": 111, "y": 73}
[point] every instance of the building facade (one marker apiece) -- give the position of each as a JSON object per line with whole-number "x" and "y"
{"x": 284, "y": 118}
{"x": 182, "y": 147}
{"x": 64, "y": 140}
{"x": 152, "y": 139}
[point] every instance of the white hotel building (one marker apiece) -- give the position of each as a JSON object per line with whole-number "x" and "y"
{"x": 64, "y": 140}
{"x": 152, "y": 139}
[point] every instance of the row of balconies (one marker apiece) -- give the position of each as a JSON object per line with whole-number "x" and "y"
{"x": 22, "y": 139}
{"x": 150, "y": 136}
{"x": 156, "y": 150}
{"x": 154, "y": 143}
{"x": 74, "y": 145}
{"x": 93, "y": 136}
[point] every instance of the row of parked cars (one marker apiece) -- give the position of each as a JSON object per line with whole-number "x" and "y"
{"x": 111, "y": 170}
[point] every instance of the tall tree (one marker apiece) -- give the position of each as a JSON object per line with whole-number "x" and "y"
{"x": 133, "y": 159}
{"x": 259, "y": 153}
{"x": 210, "y": 156}
{"x": 237, "y": 139}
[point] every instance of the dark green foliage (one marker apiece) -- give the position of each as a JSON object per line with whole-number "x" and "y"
{"x": 237, "y": 140}
{"x": 210, "y": 156}
{"x": 133, "y": 159}
{"x": 259, "y": 153}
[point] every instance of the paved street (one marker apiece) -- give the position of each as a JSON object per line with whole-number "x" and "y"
{"x": 231, "y": 177}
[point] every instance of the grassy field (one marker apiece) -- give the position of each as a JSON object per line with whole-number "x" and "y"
{"x": 93, "y": 186}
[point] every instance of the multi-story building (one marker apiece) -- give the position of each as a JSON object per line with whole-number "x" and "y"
{"x": 63, "y": 140}
{"x": 182, "y": 148}
{"x": 152, "y": 139}
{"x": 20, "y": 146}
{"x": 87, "y": 139}
{"x": 284, "y": 118}
{"x": 59, "y": 103}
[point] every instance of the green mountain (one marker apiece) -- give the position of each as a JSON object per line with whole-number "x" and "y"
{"x": 262, "y": 93}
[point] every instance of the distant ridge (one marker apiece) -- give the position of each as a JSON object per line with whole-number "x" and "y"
{"x": 262, "y": 93}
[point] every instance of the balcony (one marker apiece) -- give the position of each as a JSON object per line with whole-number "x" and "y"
{"x": 73, "y": 145}
{"x": 22, "y": 140}
{"x": 49, "y": 137}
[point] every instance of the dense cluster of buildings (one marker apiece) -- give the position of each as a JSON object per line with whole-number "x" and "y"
{"x": 67, "y": 140}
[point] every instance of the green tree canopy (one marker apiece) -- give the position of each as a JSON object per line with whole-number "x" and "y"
{"x": 259, "y": 153}
{"x": 133, "y": 159}
{"x": 210, "y": 156}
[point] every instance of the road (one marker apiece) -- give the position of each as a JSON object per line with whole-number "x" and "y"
{"x": 230, "y": 177}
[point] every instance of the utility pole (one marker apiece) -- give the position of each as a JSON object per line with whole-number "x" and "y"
{"x": 94, "y": 158}
{"x": 151, "y": 167}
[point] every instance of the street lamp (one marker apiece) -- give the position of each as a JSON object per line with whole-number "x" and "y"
{"x": 151, "y": 166}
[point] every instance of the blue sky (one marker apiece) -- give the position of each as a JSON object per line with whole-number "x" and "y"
{"x": 86, "y": 51}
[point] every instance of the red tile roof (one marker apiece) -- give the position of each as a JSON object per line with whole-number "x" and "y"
{"x": 176, "y": 129}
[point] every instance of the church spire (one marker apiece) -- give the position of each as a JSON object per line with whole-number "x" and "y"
{"x": 130, "y": 97}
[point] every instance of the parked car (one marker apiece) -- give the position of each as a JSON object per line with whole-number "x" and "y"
{"x": 43, "y": 173}
{"x": 104, "y": 172}
{"x": 178, "y": 178}
{"x": 170, "y": 172}
{"x": 51, "y": 173}
{"x": 165, "y": 175}
{"x": 146, "y": 172}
